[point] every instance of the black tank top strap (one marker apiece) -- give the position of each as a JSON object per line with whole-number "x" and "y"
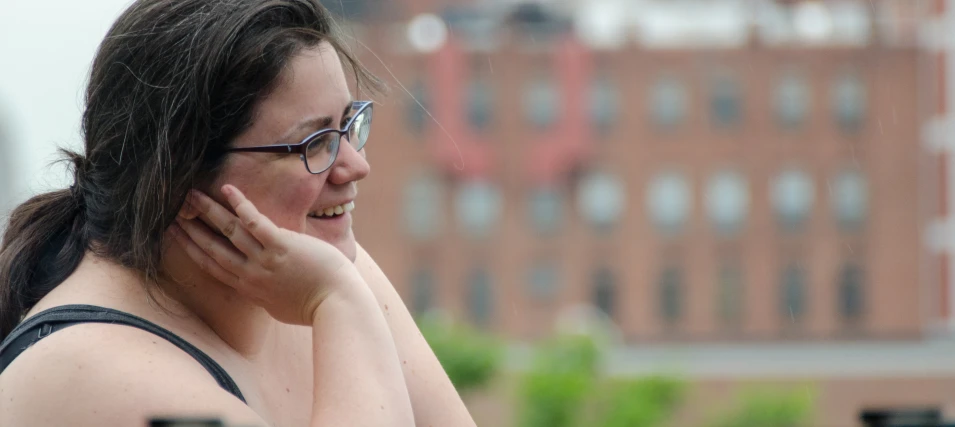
{"x": 49, "y": 321}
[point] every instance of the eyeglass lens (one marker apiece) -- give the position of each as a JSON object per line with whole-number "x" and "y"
{"x": 322, "y": 150}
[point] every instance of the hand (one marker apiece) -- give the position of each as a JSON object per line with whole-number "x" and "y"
{"x": 287, "y": 273}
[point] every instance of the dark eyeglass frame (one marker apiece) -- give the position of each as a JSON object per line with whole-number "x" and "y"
{"x": 301, "y": 148}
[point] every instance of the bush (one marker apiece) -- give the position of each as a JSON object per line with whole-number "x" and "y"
{"x": 563, "y": 372}
{"x": 470, "y": 358}
{"x": 644, "y": 402}
{"x": 563, "y": 388}
{"x": 770, "y": 408}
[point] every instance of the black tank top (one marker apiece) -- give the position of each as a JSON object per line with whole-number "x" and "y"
{"x": 49, "y": 321}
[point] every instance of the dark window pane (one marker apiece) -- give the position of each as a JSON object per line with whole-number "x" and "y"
{"x": 480, "y": 297}
{"x": 416, "y": 107}
{"x": 604, "y": 104}
{"x": 605, "y": 291}
{"x": 669, "y": 100}
{"x": 480, "y": 104}
{"x": 730, "y": 294}
{"x": 793, "y": 293}
{"x": 849, "y": 102}
{"x": 546, "y": 209}
{"x": 792, "y": 101}
{"x": 671, "y": 294}
{"x": 851, "y": 298}
{"x": 542, "y": 102}
{"x": 543, "y": 279}
{"x": 725, "y": 102}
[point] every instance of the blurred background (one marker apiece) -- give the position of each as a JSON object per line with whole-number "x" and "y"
{"x": 724, "y": 213}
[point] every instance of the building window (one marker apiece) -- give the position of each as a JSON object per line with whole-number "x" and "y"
{"x": 725, "y": 102}
{"x": 422, "y": 207}
{"x": 417, "y": 107}
{"x": 669, "y": 201}
{"x": 793, "y": 293}
{"x": 479, "y": 205}
{"x": 480, "y": 104}
{"x": 480, "y": 297}
{"x": 671, "y": 298}
{"x": 851, "y": 297}
{"x": 601, "y": 200}
{"x": 544, "y": 278}
{"x": 669, "y": 101}
{"x": 422, "y": 291}
{"x": 792, "y": 101}
{"x": 730, "y": 294}
{"x": 850, "y": 199}
{"x": 792, "y": 196}
{"x": 604, "y": 104}
{"x": 727, "y": 201}
{"x": 546, "y": 209}
{"x": 849, "y": 102}
{"x": 542, "y": 102}
{"x": 605, "y": 291}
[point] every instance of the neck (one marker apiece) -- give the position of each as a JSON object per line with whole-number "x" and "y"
{"x": 237, "y": 321}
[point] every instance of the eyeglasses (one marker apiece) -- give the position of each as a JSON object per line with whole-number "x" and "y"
{"x": 320, "y": 149}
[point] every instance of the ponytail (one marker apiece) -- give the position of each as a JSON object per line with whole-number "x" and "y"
{"x": 43, "y": 244}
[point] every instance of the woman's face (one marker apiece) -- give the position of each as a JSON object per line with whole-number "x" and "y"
{"x": 312, "y": 94}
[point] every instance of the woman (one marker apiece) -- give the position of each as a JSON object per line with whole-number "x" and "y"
{"x": 203, "y": 263}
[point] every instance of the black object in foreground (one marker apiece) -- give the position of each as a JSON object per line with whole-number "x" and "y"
{"x": 185, "y": 422}
{"x": 922, "y": 417}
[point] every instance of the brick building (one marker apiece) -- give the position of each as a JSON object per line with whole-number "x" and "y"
{"x": 761, "y": 193}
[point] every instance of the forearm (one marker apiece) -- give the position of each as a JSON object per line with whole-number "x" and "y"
{"x": 358, "y": 378}
{"x": 433, "y": 397}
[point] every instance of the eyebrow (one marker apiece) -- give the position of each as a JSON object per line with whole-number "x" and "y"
{"x": 315, "y": 124}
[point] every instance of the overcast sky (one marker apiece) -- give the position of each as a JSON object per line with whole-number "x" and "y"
{"x": 45, "y": 52}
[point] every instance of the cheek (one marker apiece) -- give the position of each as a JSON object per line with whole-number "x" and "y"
{"x": 282, "y": 195}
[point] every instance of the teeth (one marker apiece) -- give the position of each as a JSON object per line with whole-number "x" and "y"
{"x": 334, "y": 210}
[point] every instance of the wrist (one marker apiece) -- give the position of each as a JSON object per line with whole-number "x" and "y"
{"x": 350, "y": 290}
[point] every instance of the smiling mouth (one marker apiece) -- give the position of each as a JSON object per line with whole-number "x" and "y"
{"x": 333, "y": 212}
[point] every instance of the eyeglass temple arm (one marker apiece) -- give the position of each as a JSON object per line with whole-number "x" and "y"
{"x": 265, "y": 149}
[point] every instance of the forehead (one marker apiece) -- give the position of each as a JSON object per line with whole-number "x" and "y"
{"x": 313, "y": 84}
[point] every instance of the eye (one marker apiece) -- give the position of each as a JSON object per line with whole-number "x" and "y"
{"x": 321, "y": 144}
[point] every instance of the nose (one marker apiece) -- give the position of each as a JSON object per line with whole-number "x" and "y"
{"x": 350, "y": 165}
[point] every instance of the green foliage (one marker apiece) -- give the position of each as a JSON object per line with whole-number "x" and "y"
{"x": 470, "y": 358}
{"x": 770, "y": 408}
{"x": 552, "y": 393}
{"x": 564, "y": 389}
{"x": 643, "y": 402}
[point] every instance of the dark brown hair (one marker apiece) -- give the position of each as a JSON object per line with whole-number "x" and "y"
{"x": 172, "y": 84}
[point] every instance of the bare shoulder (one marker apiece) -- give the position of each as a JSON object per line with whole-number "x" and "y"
{"x": 101, "y": 374}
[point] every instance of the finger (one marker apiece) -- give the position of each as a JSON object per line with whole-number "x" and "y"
{"x": 261, "y": 227}
{"x": 188, "y": 211}
{"x": 219, "y": 218}
{"x": 201, "y": 258}
{"x": 214, "y": 246}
